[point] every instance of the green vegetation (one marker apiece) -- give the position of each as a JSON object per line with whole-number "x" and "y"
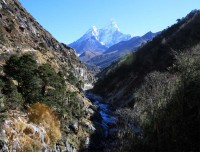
{"x": 25, "y": 82}
{"x": 1, "y": 35}
{"x": 53, "y": 84}
{"x": 35, "y": 82}
{"x": 118, "y": 73}
{"x": 73, "y": 80}
{"x": 24, "y": 70}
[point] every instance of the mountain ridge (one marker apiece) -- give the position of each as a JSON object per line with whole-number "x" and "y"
{"x": 121, "y": 49}
{"x": 99, "y": 39}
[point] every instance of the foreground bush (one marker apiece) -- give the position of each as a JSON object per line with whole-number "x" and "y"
{"x": 43, "y": 115}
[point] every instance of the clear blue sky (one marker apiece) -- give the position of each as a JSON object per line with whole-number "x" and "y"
{"x": 68, "y": 20}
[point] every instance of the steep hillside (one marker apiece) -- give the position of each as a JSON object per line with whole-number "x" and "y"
{"x": 21, "y": 33}
{"x": 156, "y": 91}
{"x": 41, "y": 83}
{"x": 126, "y": 75}
{"x": 88, "y": 55}
{"x": 104, "y": 60}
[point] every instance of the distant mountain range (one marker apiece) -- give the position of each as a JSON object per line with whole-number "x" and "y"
{"x": 100, "y": 47}
{"x": 120, "y": 49}
{"x": 99, "y": 40}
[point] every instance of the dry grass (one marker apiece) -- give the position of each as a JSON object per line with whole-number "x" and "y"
{"x": 17, "y": 129}
{"x": 44, "y": 116}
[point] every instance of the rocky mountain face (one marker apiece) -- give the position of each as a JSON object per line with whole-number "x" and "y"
{"x": 20, "y": 32}
{"x": 120, "y": 49}
{"x": 98, "y": 40}
{"x": 43, "y": 70}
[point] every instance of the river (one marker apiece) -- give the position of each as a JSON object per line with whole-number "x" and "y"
{"x": 105, "y": 122}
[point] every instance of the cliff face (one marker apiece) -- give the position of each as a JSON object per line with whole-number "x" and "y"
{"x": 21, "y": 34}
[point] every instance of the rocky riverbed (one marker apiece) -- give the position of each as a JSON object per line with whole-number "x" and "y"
{"x": 105, "y": 123}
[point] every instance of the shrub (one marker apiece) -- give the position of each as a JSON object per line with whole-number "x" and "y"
{"x": 125, "y": 138}
{"x": 186, "y": 103}
{"x": 167, "y": 106}
{"x": 53, "y": 84}
{"x": 12, "y": 98}
{"x": 24, "y": 70}
{"x": 154, "y": 95}
{"x": 153, "y": 100}
{"x": 73, "y": 106}
{"x": 43, "y": 115}
{"x": 35, "y": 83}
{"x": 2, "y": 39}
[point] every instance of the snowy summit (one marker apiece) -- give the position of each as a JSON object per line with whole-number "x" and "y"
{"x": 98, "y": 40}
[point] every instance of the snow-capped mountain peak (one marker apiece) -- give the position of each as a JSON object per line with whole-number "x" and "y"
{"x": 112, "y": 26}
{"x": 93, "y": 31}
{"x": 99, "y": 39}
{"x": 111, "y": 34}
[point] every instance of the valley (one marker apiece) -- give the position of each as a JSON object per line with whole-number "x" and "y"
{"x": 106, "y": 92}
{"x": 107, "y": 122}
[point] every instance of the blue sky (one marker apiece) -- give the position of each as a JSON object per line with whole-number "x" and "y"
{"x": 68, "y": 20}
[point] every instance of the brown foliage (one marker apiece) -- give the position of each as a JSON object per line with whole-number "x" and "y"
{"x": 43, "y": 115}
